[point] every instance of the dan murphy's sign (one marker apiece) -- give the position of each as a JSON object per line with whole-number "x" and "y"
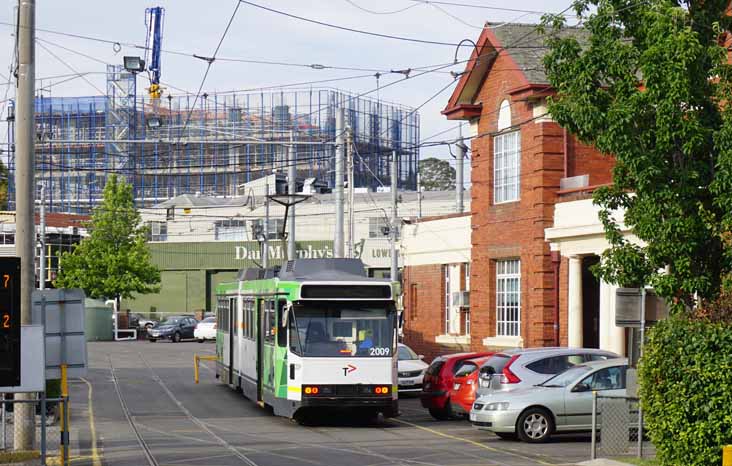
{"x": 218, "y": 255}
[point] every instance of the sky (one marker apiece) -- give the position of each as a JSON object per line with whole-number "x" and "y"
{"x": 195, "y": 27}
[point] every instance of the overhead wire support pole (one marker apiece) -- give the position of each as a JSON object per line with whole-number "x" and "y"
{"x": 25, "y": 238}
{"x": 42, "y": 240}
{"x": 394, "y": 218}
{"x": 265, "y": 233}
{"x": 459, "y": 173}
{"x": 291, "y": 189}
{"x": 351, "y": 189}
{"x": 338, "y": 185}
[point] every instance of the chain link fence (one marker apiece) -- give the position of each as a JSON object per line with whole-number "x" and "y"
{"x": 617, "y": 428}
{"x": 31, "y": 430}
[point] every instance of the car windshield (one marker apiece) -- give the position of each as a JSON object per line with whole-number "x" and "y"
{"x": 567, "y": 377}
{"x": 170, "y": 321}
{"x": 405, "y": 353}
{"x": 342, "y": 329}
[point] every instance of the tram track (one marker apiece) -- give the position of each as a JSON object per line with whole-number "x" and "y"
{"x": 151, "y": 461}
{"x": 234, "y": 451}
{"x": 137, "y": 428}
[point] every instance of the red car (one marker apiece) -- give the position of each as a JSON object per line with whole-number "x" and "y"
{"x": 438, "y": 381}
{"x": 465, "y": 386}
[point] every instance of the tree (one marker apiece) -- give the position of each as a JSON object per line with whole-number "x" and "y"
{"x": 113, "y": 261}
{"x": 3, "y": 186}
{"x": 436, "y": 175}
{"x": 651, "y": 86}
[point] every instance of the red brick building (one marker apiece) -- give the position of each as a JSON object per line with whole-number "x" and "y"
{"x": 522, "y": 163}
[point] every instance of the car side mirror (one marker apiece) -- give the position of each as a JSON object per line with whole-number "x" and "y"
{"x": 581, "y": 387}
{"x": 421, "y": 356}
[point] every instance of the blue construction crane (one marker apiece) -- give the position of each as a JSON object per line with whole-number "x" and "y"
{"x": 153, "y": 48}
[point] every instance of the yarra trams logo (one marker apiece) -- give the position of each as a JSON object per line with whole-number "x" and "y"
{"x": 348, "y": 369}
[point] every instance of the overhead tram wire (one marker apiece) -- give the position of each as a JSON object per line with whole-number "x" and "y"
{"x": 67, "y": 65}
{"x": 358, "y": 31}
{"x": 374, "y": 12}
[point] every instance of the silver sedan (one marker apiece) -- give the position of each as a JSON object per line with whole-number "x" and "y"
{"x": 561, "y": 404}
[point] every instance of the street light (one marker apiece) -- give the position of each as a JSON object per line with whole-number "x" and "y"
{"x": 134, "y": 64}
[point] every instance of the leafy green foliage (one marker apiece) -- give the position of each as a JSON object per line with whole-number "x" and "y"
{"x": 113, "y": 261}
{"x": 686, "y": 390}
{"x": 436, "y": 175}
{"x": 3, "y": 186}
{"x": 651, "y": 86}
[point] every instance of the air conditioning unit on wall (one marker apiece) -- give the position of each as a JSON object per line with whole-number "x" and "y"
{"x": 461, "y": 298}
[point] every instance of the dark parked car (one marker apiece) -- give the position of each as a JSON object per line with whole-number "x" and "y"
{"x": 173, "y": 328}
{"x": 439, "y": 379}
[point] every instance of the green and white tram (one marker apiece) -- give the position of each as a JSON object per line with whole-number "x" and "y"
{"x": 317, "y": 333}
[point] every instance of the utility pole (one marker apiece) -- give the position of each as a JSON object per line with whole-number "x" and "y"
{"x": 291, "y": 188}
{"x": 349, "y": 156}
{"x": 461, "y": 149}
{"x": 419, "y": 195}
{"x": 339, "y": 162}
{"x": 393, "y": 227}
{"x": 42, "y": 234}
{"x": 265, "y": 241}
{"x": 25, "y": 230}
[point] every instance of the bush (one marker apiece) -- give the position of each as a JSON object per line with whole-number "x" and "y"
{"x": 686, "y": 390}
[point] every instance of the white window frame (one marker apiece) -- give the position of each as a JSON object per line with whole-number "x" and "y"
{"x": 507, "y": 167}
{"x": 158, "y": 236}
{"x": 508, "y": 297}
{"x": 230, "y": 230}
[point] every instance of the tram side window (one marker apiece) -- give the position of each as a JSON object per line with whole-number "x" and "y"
{"x": 281, "y": 331}
{"x": 248, "y": 319}
{"x": 269, "y": 322}
{"x": 223, "y": 311}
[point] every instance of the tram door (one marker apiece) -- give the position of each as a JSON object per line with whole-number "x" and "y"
{"x": 232, "y": 337}
{"x": 261, "y": 332}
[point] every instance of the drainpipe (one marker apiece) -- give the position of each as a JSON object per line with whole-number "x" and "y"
{"x": 556, "y": 261}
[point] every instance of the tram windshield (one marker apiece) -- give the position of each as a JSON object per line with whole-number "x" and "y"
{"x": 342, "y": 329}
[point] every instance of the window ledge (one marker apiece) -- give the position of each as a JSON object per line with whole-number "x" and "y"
{"x": 453, "y": 339}
{"x": 503, "y": 342}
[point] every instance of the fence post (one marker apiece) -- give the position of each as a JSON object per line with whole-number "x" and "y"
{"x": 64, "y": 408}
{"x": 66, "y": 435}
{"x": 5, "y": 446}
{"x": 43, "y": 428}
{"x": 640, "y": 430}
{"x": 593, "y": 445}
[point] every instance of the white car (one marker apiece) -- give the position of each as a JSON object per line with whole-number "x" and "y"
{"x": 411, "y": 369}
{"x": 205, "y": 330}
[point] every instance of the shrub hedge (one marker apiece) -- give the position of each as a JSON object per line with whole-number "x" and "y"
{"x": 686, "y": 390}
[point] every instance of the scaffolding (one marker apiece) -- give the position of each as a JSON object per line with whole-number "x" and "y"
{"x": 211, "y": 145}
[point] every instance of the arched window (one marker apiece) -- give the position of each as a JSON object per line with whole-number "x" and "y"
{"x": 504, "y": 115}
{"x": 506, "y": 159}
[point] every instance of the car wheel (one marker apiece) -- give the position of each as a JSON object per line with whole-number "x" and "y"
{"x": 176, "y": 337}
{"x": 201, "y": 340}
{"x": 506, "y": 435}
{"x": 442, "y": 414}
{"x": 535, "y": 425}
{"x": 152, "y": 340}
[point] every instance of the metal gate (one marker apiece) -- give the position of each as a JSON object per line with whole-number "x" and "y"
{"x": 44, "y": 431}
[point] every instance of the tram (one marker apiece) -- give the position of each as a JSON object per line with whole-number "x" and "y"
{"x": 317, "y": 333}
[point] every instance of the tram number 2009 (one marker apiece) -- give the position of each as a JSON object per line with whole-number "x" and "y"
{"x": 378, "y": 351}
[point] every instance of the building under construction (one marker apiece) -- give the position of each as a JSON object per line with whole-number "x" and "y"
{"x": 210, "y": 145}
